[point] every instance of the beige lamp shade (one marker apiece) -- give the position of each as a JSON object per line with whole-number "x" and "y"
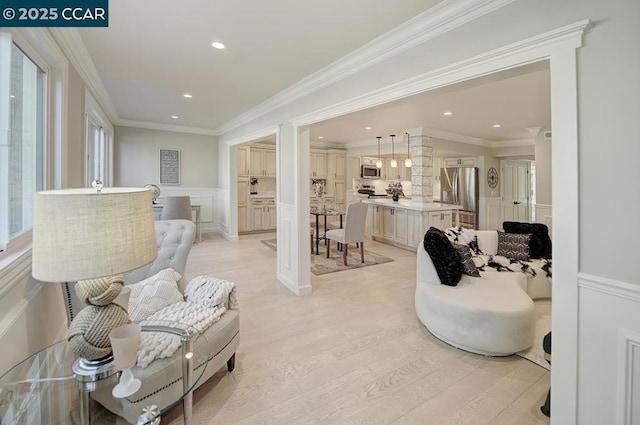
{"x": 82, "y": 234}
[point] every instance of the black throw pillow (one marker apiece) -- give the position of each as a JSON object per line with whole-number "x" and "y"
{"x": 540, "y": 243}
{"x": 444, "y": 256}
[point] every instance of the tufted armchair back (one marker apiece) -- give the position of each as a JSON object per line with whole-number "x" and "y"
{"x": 174, "y": 239}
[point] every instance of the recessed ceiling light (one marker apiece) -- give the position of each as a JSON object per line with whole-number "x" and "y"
{"x": 175, "y": 117}
{"x": 217, "y": 45}
{"x": 447, "y": 113}
{"x": 497, "y": 126}
{"x": 12, "y": 96}
{"x": 368, "y": 128}
{"x": 187, "y": 95}
{"x": 320, "y": 137}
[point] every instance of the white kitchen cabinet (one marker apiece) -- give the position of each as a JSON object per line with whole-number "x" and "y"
{"x": 263, "y": 215}
{"x": 244, "y": 222}
{"x": 442, "y": 220}
{"x": 403, "y": 227}
{"x": 244, "y": 161}
{"x": 336, "y": 164}
{"x": 243, "y": 218}
{"x": 437, "y": 165}
{"x": 272, "y": 216}
{"x": 393, "y": 223}
{"x": 318, "y": 165}
{"x": 399, "y": 173}
{"x": 255, "y": 164}
{"x": 354, "y": 166}
{"x": 269, "y": 158}
{"x": 257, "y": 216}
{"x": 386, "y": 223}
{"x": 459, "y": 162}
{"x": 243, "y": 190}
{"x": 339, "y": 191}
{"x": 376, "y": 222}
{"x": 262, "y": 162}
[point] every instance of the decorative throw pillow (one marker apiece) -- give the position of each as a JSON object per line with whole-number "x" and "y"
{"x": 466, "y": 259}
{"x": 460, "y": 235}
{"x": 153, "y": 294}
{"x": 445, "y": 258}
{"x": 513, "y": 245}
{"x": 540, "y": 244}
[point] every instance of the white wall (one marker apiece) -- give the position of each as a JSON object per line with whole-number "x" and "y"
{"x": 137, "y": 157}
{"x": 607, "y": 154}
{"x": 543, "y": 170}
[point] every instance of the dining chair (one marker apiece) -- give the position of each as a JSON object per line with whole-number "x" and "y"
{"x": 353, "y": 230}
{"x": 176, "y": 208}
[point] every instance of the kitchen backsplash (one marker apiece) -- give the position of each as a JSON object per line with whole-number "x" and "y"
{"x": 381, "y": 185}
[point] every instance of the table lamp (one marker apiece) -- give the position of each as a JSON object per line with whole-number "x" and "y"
{"x": 90, "y": 235}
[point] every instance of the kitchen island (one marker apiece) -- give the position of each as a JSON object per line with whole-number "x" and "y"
{"x": 404, "y": 223}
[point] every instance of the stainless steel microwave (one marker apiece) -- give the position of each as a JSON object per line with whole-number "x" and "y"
{"x": 369, "y": 172}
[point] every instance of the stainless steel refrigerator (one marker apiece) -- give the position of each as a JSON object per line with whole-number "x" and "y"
{"x": 459, "y": 186}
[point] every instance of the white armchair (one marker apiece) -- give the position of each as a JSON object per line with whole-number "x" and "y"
{"x": 159, "y": 383}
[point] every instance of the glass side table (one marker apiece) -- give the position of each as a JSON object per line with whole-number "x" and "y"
{"x": 43, "y": 388}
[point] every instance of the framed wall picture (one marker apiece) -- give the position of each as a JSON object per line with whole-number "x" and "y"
{"x": 169, "y": 166}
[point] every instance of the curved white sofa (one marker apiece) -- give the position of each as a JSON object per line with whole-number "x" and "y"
{"x": 492, "y": 315}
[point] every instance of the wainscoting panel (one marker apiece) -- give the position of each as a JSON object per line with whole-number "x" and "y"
{"x": 543, "y": 215}
{"x": 287, "y": 267}
{"x": 609, "y": 351}
{"x": 223, "y": 211}
{"x": 207, "y": 198}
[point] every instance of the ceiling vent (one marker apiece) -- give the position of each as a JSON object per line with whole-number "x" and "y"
{"x": 547, "y": 135}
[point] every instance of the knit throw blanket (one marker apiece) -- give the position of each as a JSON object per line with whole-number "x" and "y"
{"x": 206, "y": 299}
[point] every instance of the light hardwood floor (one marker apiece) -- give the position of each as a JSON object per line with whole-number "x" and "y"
{"x": 351, "y": 353}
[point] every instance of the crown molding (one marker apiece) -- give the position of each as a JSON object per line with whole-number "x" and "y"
{"x": 455, "y": 137}
{"x": 166, "y": 127}
{"x": 71, "y": 43}
{"x": 511, "y": 143}
{"x": 431, "y": 23}
{"x": 432, "y": 133}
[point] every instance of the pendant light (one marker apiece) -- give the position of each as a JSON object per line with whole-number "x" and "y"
{"x": 379, "y": 161}
{"x": 394, "y": 163}
{"x": 407, "y": 162}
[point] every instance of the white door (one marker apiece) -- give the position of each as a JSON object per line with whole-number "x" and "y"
{"x": 515, "y": 187}
{"x": 269, "y": 163}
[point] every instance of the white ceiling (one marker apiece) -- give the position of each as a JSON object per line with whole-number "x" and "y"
{"x": 516, "y": 99}
{"x": 154, "y": 52}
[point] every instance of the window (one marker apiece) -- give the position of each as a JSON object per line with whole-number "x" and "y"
{"x": 99, "y": 143}
{"x": 22, "y": 143}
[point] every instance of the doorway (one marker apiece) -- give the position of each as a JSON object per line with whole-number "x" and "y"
{"x": 559, "y": 47}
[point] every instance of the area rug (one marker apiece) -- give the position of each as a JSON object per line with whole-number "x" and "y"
{"x": 320, "y": 264}
{"x": 543, "y": 326}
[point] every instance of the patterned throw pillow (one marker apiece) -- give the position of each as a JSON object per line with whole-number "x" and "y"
{"x": 540, "y": 243}
{"x": 153, "y": 294}
{"x": 445, "y": 258}
{"x": 512, "y": 245}
{"x": 466, "y": 259}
